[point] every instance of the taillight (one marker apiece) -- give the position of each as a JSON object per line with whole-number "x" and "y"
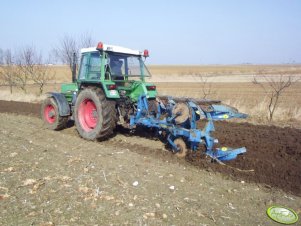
{"x": 151, "y": 87}
{"x": 111, "y": 87}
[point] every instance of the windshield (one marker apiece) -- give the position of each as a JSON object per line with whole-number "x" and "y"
{"x": 126, "y": 65}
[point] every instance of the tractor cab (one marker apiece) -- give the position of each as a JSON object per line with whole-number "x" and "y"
{"x": 119, "y": 70}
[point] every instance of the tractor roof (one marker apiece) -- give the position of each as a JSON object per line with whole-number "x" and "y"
{"x": 113, "y": 48}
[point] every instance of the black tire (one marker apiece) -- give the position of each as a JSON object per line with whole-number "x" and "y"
{"x": 94, "y": 115}
{"x": 50, "y": 115}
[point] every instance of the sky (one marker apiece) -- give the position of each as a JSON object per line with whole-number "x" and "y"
{"x": 191, "y": 32}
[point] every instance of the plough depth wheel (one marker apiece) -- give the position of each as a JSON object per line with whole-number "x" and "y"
{"x": 179, "y": 142}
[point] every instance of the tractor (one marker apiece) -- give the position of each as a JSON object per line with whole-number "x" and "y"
{"x": 110, "y": 90}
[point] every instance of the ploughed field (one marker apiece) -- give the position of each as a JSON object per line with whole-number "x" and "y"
{"x": 273, "y": 155}
{"x": 57, "y": 178}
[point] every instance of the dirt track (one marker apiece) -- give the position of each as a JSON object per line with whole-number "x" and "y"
{"x": 273, "y": 154}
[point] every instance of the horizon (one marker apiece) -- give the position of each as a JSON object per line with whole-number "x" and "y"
{"x": 199, "y": 65}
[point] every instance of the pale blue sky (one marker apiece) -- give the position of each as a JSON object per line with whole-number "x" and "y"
{"x": 175, "y": 32}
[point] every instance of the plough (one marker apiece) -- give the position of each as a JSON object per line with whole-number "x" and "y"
{"x": 177, "y": 119}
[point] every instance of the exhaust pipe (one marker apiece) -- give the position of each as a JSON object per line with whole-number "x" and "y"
{"x": 74, "y": 68}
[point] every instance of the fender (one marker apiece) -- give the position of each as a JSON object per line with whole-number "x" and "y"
{"x": 64, "y": 109}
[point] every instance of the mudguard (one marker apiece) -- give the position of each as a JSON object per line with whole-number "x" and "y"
{"x": 64, "y": 108}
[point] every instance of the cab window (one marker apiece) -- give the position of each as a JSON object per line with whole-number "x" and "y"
{"x": 83, "y": 67}
{"x": 94, "y": 66}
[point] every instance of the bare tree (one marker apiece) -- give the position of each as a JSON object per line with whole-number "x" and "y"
{"x": 32, "y": 67}
{"x": 8, "y": 70}
{"x": 205, "y": 85}
{"x": 70, "y": 45}
{"x": 86, "y": 40}
{"x": 67, "y": 47}
{"x": 24, "y": 58}
{"x": 41, "y": 73}
{"x": 274, "y": 87}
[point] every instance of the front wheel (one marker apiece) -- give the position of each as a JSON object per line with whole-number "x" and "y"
{"x": 50, "y": 115}
{"x": 94, "y": 115}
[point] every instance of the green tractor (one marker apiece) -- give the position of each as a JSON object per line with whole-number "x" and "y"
{"x": 111, "y": 90}
{"x": 109, "y": 82}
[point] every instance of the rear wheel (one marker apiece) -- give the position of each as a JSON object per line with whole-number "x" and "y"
{"x": 50, "y": 115}
{"x": 94, "y": 115}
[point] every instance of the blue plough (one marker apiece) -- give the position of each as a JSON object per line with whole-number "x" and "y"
{"x": 178, "y": 123}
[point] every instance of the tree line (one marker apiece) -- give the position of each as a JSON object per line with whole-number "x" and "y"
{"x": 28, "y": 65}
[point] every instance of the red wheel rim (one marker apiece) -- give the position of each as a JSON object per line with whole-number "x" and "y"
{"x": 49, "y": 113}
{"x": 87, "y": 115}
